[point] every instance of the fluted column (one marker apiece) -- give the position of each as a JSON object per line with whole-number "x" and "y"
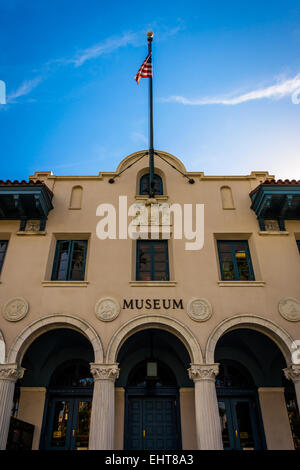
{"x": 208, "y": 425}
{"x": 103, "y": 406}
{"x": 292, "y": 372}
{"x": 9, "y": 374}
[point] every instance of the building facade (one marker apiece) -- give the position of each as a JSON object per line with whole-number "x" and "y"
{"x": 142, "y": 343}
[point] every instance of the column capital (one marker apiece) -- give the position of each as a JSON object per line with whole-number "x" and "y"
{"x": 11, "y": 372}
{"x": 292, "y": 372}
{"x": 203, "y": 372}
{"x": 105, "y": 371}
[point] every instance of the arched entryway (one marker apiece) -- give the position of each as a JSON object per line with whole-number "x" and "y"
{"x": 55, "y": 392}
{"x": 254, "y": 398}
{"x": 57, "y": 387}
{"x": 153, "y": 370}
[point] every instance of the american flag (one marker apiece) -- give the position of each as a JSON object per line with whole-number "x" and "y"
{"x": 145, "y": 69}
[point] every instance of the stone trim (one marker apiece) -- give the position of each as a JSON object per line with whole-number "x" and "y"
{"x": 51, "y": 322}
{"x": 152, "y": 283}
{"x": 11, "y": 372}
{"x": 105, "y": 371}
{"x": 280, "y": 337}
{"x": 241, "y": 283}
{"x": 20, "y": 232}
{"x": 143, "y": 322}
{"x": 65, "y": 283}
{"x": 203, "y": 372}
{"x": 292, "y": 372}
{"x": 269, "y": 232}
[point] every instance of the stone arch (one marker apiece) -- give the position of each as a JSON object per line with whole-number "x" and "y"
{"x": 52, "y": 322}
{"x": 167, "y": 156}
{"x": 226, "y": 197}
{"x": 279, "y": 336}
{"x": 76, "y": 197}
{"x": 163, "y": 322}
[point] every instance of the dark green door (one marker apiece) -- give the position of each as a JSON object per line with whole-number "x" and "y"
{"x": 239, "y": 422}
{"x": 152, "y": 424}
{"x": 68, "y": 423}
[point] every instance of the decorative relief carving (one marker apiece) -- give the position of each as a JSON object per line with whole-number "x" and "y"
{"x": 289, "y": 308}
{"x": 32, "y": 226}
{"x": 199, "y": 309}
{"x": 203, "y": 371}
{"x": 11, "y": 372}
{"x": 107, "y": 309}
{"x": 272, "y": 225}
{"x": 292, "y": 372}
{"x": 15, "y": 309}
{"x": 105, "y": 371}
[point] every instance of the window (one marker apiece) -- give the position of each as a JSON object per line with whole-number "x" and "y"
{"x": 152, "y": 260}
{"x": 144, "y": 184}
{"x": 235, "y": 261}
{"x": 69, "y": 260}
{"x": 3, "y": 248}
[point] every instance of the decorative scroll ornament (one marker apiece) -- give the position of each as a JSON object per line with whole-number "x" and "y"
{"x": 292, "y": 372}
{"x": 107, "y": 309}
{"x": 15, "y": 309}
{"x": 289, "y": 309}
{"x": 203, "y": 371}
{"x": 11, "y": 372}
{"x": 199, "y": 309}
{"x": 105, "y": 371}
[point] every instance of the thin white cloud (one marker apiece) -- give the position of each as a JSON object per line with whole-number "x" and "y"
{"x": 105, "y": 47}
{"x": 137, "y": 137}
{"x": 24, "y": 89}
{"x": 277, "y": 91}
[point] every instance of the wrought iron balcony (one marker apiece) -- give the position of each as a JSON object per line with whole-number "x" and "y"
{"x": 25, "y": 201}
{"x": 276, "y": 201}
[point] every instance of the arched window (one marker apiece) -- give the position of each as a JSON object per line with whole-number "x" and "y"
{"x": 73, "y": 373}
{"x": 144, "y": 184}
{"x": 76, "y": 197}
{"x": 233, "y": 375}
{"x": 151, "y": 373}
{"x": 227, "y": 198}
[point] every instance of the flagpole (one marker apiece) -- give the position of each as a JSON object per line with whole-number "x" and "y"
{"x": 151, "y": 147}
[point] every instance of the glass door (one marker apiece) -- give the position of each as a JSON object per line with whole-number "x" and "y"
{"x": 239, "y": 424}
{"x": 68, "y": 423}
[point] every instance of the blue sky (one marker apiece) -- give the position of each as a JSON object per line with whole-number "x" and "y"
{"x": 226, "y": 83}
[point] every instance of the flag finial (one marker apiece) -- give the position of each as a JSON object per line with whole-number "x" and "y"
{"x": 150, "y": 34}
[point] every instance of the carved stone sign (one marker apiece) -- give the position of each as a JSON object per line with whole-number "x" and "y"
{"x": 15, "y": 309}
{"x": 152, "y": 304}
{"x": 289, "y": 308}
{"x": 199, "y": 309}
{"x": 107, "y": 309}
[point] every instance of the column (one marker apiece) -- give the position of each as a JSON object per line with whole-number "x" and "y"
{"x": 292, "y": 372}
{"x": 9, "y": 374}
{"x": 208, "y": 425}
{"x": 103, "y": 406}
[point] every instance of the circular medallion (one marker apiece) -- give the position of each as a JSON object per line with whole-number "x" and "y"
{"x": 199, "y": 309}
{"x": 107, "y": 309}
{"x": 289, "y": 308}
{"x": 15, "y": 309}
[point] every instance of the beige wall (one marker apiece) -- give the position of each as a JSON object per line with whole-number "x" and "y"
{"x": 275, "y": 418}
{"x": 31, "y": 410}
{"x": 119, "y": 417}
{"x": 188, "y": 420}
